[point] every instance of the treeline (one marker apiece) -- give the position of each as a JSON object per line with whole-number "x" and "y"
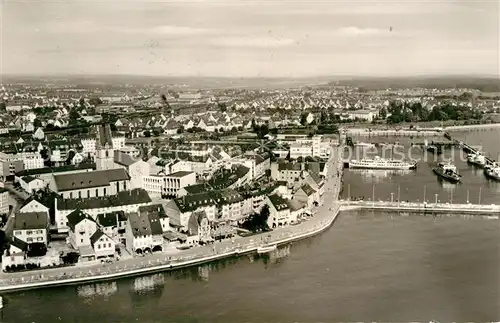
{"x": 414, "y": 112}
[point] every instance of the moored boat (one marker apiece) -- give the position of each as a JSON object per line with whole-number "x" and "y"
{"x": 381, "y": 163}
{"x": 477, "y": 159}
{"x": 492, "y": 172}
{"x": 266, "y": 249}
{"x": 447, "y": 171}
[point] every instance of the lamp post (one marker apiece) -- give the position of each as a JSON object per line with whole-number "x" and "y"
{"x": 349, "y": 191}
{"x": 373, "y": 195}
{"x": 467, "y": 196}
{"x": 392, "y": 197}
{"x": 425, "y": 191}
{"x": 399, "y": 195}
{"x": 480, "y": 188}
{"x": 436, "y": 198}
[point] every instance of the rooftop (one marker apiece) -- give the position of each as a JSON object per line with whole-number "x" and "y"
{"x": 77, "y": 181}
{"x": 278, "y": 202}
{"x": 31, "y": 221}
{"x": 135, "y": 196}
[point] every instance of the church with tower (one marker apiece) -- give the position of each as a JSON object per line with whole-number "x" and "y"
{"x": 104, "y": 157}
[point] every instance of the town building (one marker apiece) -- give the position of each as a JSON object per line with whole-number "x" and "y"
{"x": 91, "y": 184}
{"x": 144, "y": 233}
{"x": 279, "y": 211}
{"x": 4, "y": 201}
{"x": 31, "y": 184}
{"x": 199, "y": 228}
{"x": 31, "y": 227}
{"x": 135, "y": 167}
{"x": 103, "y": 245}
{"x": 168, "y": 185}
{"x": 126, "y": 201}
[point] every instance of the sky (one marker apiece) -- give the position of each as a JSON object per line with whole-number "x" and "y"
{"x": 242, "y": 38}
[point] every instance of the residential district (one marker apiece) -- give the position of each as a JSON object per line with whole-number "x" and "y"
{"x": 93, "y": 175}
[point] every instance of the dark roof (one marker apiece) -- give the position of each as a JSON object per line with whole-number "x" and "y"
{"x": 179, "y": 174}
{"x": 18, "y": 243}
{"x": 3, "y": 190}
{"x": 124, "y": 159}
{"x": 289, "y": 166}
{"x": 295, "y": 205}
{"x": 278, "y": 202}
{"x": 193, "y": 201}
{"x": 135, "y": 196}
{"x": 197, "y": 188}
{"x": 104, "y": 136}
{"x": 98, "y": 234}
{"x": 76, "y": 181}
{"x": 227, "y": 196}
{"x": 76, "y": 217}
{"x": 31, "y": 221}
{"x": 108, "y": 219}
{"x": 48, "y": 170}
{"x": 308, "y": 189}
{"x": 145, "y": 225}
{"x": 28, "y": 179}
{"x": 150, "y": 209}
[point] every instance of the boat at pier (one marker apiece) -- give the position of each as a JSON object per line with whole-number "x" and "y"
{"x": 381, "y": 163}
{"x": 447, "y": 171}
{"x": 477, "y": 159}
{"x": 492, "y": 171}
{"x": 266, "y": 249}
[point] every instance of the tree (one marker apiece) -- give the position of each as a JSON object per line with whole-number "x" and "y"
{"x": 3, "y": 106}
{"x": 70, "y": 258}
{"x": 37, "y": 123}
{"x": 95, "y": 101}
{"x": 36, "y": 249}
{"x": 81, "y": 102}
{"x": 180, "y": 130}
{"x": 71, "y": 155}
{"x": 147, "y": 133}
{"x": 74, "y": 115}
{"x": 156, "y": 133}
{"x": 383, "y": 113}
{"x": 303, "y": 119}
{"x": 222, "y": 107}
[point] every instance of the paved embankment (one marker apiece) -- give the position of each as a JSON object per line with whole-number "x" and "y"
{"x": 473, "y": 127}
{"x": 324, "y": 217}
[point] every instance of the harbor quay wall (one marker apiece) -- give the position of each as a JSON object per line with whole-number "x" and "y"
{"x": 393, "y": 133}
{"x": 485, "y": 126}
{"x": 493, "y": 214}
{"x": 152, "y": 267}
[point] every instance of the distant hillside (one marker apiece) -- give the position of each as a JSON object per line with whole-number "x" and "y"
{"x": 485, "y": 84}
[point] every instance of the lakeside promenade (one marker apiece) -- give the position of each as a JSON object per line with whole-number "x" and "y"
{"x": 325, "y": 215}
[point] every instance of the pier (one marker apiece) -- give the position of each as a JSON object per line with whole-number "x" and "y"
{"x": 473, "y": 209}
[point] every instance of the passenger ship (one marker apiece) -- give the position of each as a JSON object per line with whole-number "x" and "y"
{"x": 381, "y": 163}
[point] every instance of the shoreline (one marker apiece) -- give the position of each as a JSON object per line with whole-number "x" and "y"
{"x": 166, "y": 267}
{"x": 325, "y": 217}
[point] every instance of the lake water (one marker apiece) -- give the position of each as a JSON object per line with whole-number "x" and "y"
{"x": 368, "y": 266}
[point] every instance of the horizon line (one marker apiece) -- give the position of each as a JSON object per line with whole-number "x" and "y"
{"x": 495, "y": 76}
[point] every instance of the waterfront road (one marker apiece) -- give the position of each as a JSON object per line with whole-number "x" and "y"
{"x": 323, "y": 216}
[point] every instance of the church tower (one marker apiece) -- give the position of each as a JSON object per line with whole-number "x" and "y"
{"x": 104, "y": 148}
